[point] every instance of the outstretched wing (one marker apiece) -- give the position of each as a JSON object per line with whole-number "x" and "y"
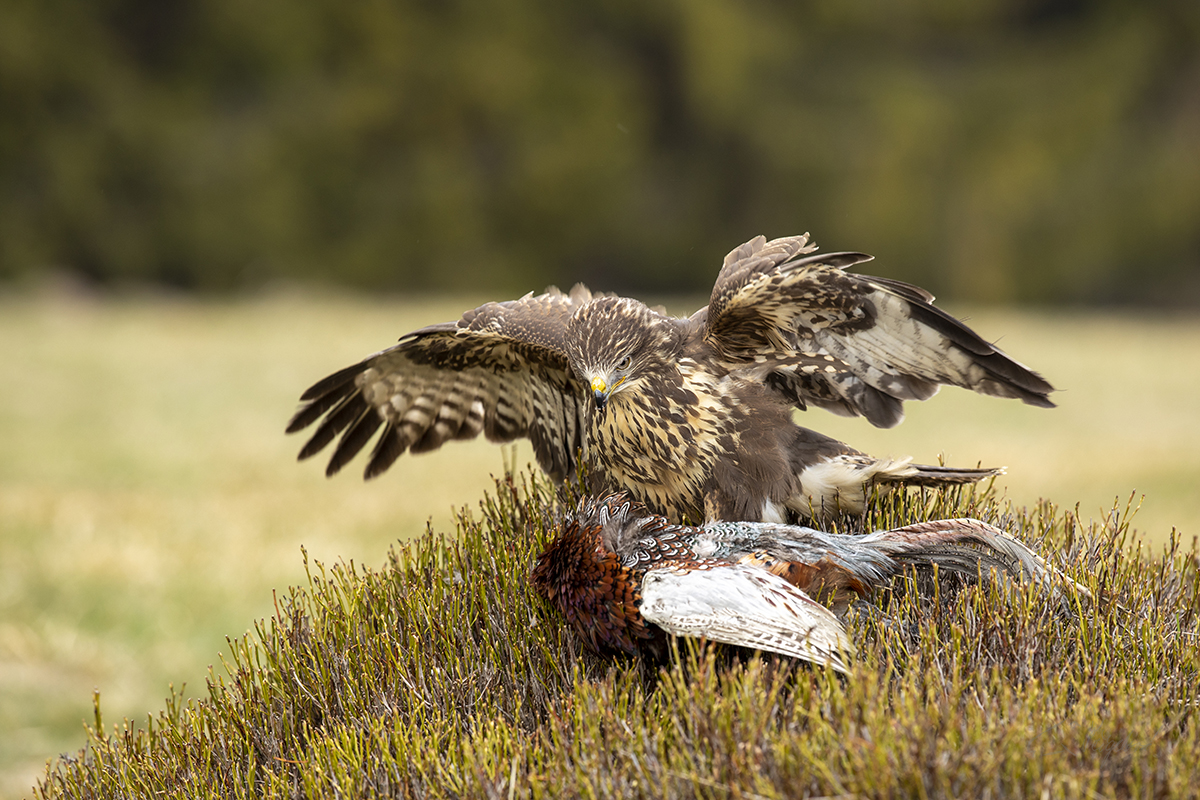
{"x": 501, "y": 370}
{"x": 747, "y": 606}
{"x": 853, "y": 344}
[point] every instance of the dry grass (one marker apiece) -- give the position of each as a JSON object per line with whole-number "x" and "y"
{"x": 149, "y": 503}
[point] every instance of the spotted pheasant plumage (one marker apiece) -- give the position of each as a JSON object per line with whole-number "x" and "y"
{"x": 691, "y": 416}
{"x": 625, "y": 578}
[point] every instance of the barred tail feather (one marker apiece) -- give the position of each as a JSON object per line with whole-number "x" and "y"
{"x": 968, "y": 547}
{"x": 930, "y": 475}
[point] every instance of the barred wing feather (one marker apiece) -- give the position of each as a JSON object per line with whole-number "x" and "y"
{"x": 501, "y": 371}
{"x": 851, "y": 343}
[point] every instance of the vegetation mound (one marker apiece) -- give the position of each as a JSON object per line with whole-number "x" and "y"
{"x": 443, "y": 675}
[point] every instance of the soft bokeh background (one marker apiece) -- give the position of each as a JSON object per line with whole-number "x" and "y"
{"x": 999, "y": 150}
{"x": 204, "y": 206}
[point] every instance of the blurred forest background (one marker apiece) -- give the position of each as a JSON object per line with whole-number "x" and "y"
{"x": 992, "y": 151}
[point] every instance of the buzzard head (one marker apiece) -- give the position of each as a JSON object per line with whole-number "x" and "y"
{"x": 615, "y": 343}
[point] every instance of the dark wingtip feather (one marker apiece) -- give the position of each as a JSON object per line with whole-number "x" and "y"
{"x": 1010, "y": 378}
{"x": 346, "y": 412}
{"x": 314, "y": 445}
{"x": 1038, "y": 399}
{"x": 353, "y": 440}
{"x": 1019, "y": 376}
{"x": 313, "y": 410}
{"x": 302, "y": 419}
{"x": 389, "y": 447}
{"x": 331, "y": 382}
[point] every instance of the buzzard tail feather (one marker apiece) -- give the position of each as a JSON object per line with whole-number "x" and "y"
{"x": 931, "y": 475}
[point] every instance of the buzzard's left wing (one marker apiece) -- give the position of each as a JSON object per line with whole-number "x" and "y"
{"x": 501, "y": 371}
{"x": 854, "y": 344}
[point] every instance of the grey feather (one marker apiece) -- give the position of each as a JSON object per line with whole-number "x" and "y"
{"x": 887, "y": 334}
{"x": 745, "y": 606}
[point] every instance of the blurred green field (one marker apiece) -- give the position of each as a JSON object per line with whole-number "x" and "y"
{"x": 149, "y": 502}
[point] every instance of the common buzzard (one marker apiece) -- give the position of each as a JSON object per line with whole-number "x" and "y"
{"x": 692, "y": 417}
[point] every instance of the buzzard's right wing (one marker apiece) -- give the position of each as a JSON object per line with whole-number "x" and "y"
{"x": 853, "y": 344}
{"x": 747, "y": 606}
{"x": 501, "y": 371}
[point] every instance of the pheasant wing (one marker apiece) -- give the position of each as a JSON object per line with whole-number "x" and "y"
{"x": 851, "y": 343}
{"x": 747, "y": 606}
{"x": 501, "y": 370}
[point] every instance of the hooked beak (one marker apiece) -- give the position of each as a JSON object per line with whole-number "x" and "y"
{"x": 600, "y": 392}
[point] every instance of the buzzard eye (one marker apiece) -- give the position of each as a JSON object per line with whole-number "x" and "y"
{"x": 624, "y": 363}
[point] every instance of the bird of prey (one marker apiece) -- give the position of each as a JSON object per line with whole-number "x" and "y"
{"x": 692, "y": 416}
{"x": 625, "y": 578}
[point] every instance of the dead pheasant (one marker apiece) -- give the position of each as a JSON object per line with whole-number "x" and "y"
{"x": 625, "y": 578}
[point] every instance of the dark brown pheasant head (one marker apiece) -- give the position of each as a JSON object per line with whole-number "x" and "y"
{"x": 591, "y": 588}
